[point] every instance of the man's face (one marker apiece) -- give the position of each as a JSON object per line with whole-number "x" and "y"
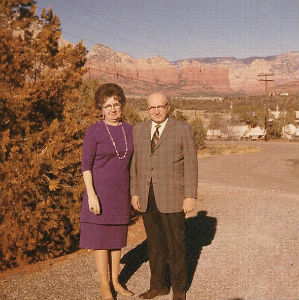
{"x": 158, "y": 107}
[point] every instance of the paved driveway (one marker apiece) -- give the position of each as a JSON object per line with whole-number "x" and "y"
{"x": 254, "y": 197}
{"x": 242, "y": 241}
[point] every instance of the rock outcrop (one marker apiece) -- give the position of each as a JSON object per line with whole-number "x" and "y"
{"x": 193, "y": 76}
{"x": 243, "y": 72}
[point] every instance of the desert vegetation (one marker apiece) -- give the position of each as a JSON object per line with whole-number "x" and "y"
{"x": 223, "y": 112}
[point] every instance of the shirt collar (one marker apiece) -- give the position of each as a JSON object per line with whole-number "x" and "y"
{"x": 154, "y": 124}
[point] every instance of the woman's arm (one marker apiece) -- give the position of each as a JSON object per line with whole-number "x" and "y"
{"x": 93, "y": 201}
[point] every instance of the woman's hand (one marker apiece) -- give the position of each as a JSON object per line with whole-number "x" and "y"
{"x": 93, "y": 204}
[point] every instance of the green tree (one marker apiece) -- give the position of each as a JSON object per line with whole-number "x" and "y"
{"x": 216, "y": 122}
{"x": 200, "y": 133}
{"x": 178, "y": 115}
{"x": 249, "y": 114}
{"x": 275, "y": 127}
{"x": 130, "y": 115}
{"x": 37, "y": 76}
{"x": 41, "y": 135}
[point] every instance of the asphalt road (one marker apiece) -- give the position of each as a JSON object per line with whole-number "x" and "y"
{"x": 254, "y": 198}
{"x": 242, "y": 241}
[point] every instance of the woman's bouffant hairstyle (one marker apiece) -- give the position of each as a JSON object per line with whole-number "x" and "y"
{"x": 108, "y": 90}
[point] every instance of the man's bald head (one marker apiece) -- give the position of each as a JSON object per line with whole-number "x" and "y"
{"x": 157, "y": 97}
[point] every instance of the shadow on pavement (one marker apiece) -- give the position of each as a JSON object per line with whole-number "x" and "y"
{"x": 199, "y": 232}
{"x": 132, "y": 261}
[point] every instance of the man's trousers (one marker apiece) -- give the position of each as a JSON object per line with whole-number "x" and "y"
{"x": 165, "y": 246}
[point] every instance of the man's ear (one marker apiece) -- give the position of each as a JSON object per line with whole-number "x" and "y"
{"x": 169, "y": 108}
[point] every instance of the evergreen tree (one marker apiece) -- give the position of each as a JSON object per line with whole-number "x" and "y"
{"x": 41, "y": 130}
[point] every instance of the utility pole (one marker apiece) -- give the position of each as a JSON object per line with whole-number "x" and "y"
{"x": 266, "y": 80}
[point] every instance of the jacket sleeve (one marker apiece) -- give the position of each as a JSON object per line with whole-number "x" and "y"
{"x": 190, "y": 163}
{"x": 133, "y": 168}
{"x": 89, "y": 149}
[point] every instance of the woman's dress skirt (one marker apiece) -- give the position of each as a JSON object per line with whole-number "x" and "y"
{"x": 101, "y": 237}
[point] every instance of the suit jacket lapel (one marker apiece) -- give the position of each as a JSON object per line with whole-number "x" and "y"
{"x": 147, "y": 135}
{"x": 165, "y": 132}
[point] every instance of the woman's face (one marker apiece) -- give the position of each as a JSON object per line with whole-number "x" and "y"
{"x": 111, "y": 110}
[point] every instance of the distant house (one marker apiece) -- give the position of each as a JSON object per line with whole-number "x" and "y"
{"x": 255, "y": 133}
{"x": 290, "y": 132}
{"x": 214, "y": 134}
{"x": 238, "y": 132}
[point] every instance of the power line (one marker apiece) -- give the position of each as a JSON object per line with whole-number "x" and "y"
{"x": 114, "y": 21}
{"x": 116, "y": 74}
{"x": 266, "y": 80}
{"x": 118, "y": 37}
{"x": 82, "y": 24}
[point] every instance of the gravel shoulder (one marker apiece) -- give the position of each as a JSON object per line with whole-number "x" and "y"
{"x": 242, "y": 240}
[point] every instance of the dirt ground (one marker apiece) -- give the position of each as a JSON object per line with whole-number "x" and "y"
{"x": 242, "y": 240}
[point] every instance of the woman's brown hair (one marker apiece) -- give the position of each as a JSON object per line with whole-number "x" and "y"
{"x": 108, "y": 90}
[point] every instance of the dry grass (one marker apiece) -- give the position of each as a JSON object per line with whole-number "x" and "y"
{"x": 213, "y": 150}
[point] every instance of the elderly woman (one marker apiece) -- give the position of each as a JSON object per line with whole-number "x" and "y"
{"x": 107, "y": 151}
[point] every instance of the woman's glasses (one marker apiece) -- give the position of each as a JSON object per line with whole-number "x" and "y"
{"x": 110, "y": 106}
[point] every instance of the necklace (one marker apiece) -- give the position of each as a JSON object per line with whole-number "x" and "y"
{"x": 113, "y": 143}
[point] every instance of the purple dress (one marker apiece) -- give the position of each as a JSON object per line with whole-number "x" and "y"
{"x": 111, "y": 183}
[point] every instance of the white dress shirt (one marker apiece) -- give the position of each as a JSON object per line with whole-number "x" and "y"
{"x": 154, "y": 124}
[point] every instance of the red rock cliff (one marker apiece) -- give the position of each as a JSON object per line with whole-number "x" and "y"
{"x": 192, "y": 76}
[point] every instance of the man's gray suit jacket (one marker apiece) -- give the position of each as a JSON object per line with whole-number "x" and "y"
{"x": 172, "y": 167}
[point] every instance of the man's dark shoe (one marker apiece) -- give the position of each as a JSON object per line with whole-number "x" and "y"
{"x": 152, "y": 293}
{"x": 179, "y": 296}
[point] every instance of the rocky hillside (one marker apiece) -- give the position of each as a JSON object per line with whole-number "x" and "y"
{"x": 243, "y": 72}
{"x": 193, "y": 76}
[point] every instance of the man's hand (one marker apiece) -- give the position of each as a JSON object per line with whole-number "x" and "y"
{"x": 93, "y": 204}
{"x": 188, "y": 205}
{"x": 135, "y": 202}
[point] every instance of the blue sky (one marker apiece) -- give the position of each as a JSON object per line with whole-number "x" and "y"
{"x": 177, "y": 29}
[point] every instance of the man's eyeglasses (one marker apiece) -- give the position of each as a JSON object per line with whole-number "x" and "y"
{"x": 115, "y": 106}
{"x": 159, "y": 107}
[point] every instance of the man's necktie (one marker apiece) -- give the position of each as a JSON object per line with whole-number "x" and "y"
{"x": 155, "y": 138}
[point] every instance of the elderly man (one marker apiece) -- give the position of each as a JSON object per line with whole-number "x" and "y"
{"x": 164, "y": 189}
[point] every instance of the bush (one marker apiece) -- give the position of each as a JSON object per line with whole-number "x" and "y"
{"x": 43, "y": 186}
{"x": 41, "y": 133}
{"x": 178, "y": 115}
{"x": 43, "y": 189}
{"x": 274, "y": 130}
{"x": 130, "y": 115}
{"x": 200, "y": 133}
